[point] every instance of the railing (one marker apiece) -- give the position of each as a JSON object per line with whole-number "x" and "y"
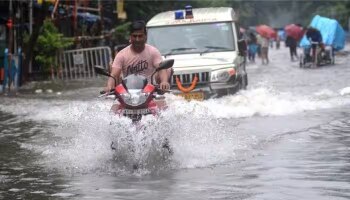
{"x": 79, "y": 64}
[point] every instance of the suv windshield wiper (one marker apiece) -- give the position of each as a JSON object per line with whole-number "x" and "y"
{"x": 178, "y": 49}
{"x": 209, "y": 48}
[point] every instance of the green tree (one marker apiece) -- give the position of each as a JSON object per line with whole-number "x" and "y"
{"x": 50, "y": 42}
{"x": 32, "y": 39}
{"x": 214, "y": 3}
{"x": 336, "y": 11}
{"x": 120, "y": 34}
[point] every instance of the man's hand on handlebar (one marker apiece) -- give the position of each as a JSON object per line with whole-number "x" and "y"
{"x": 164, "y": 86}
{"x": 106, "y": 91}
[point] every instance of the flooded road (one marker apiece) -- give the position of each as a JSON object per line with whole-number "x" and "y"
{"x": 286, "y": 137}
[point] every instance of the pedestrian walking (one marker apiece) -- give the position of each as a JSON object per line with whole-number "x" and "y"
{"x": 278, "y": 42}
{"x": 292, "y": 44}
{"x": 252, "y": 47}
{"x": 264, "y": 42}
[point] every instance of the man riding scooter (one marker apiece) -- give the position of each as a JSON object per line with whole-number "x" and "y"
{"x": 138, "y": 58}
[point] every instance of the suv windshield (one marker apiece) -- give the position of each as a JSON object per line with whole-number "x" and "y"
{"x": 192, "y": 38}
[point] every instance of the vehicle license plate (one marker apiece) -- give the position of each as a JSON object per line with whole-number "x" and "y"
{"x": 199, "y": 96}
{"x": 136, "y": 111}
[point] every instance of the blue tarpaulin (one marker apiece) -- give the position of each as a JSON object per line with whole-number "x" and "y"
{"x": 282, "y": 34}
{"x": 89, "y": 19}
{"x": 332, "y": 33}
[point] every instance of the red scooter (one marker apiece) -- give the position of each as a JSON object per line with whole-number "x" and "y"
{"x": 135, "y": 96}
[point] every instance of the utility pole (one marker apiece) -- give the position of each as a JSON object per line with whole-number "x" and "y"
{"x": 75, "y": 17}
{"x": 33, "y": 38}
{"x": 10, "y": 26}
{"x": 29, "y": 68}
{"x": 30, "y": 16}
{"x": 100, "y": 7}
{"x": 19, "y": 46}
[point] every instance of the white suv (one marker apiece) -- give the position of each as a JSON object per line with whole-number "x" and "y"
{"x": 204, "y": 44}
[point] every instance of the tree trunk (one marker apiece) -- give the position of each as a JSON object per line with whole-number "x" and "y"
{"x": 39, "y": 21}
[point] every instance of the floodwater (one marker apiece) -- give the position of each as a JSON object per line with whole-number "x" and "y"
{"x": 286, "y": 137}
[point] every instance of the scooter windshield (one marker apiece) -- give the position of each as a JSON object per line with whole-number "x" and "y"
{"x": 134, "y": 82}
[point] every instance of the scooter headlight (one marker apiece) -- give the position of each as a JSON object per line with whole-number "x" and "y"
{"x": 222, "y": 75}
{"x": 135, "y": 97}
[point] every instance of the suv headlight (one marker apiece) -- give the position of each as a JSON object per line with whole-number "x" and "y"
{"x": 135, "y": 97}
{"x": 222, "y": 75}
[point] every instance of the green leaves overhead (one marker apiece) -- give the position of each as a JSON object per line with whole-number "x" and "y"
{"x": 49, "y": 42}
{"x": 275, "y": 12}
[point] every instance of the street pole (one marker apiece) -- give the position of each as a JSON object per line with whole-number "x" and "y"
{"x": 30, "y": 16}
{"x": 10, "y": 26}
{"x": 100, "y": 7}
{"x": 75, "y": 17}
{"x": 30, "y": 32}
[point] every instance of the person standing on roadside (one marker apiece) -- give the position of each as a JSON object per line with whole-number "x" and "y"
{"x": 252, "y": 47}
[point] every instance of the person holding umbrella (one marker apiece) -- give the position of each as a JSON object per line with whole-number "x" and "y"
{"x": 264, "y": 43}
{"x": 266, "y": 33}
{"x": 294, "y": 34}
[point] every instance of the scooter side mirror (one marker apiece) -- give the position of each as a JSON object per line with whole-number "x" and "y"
{"x": 103, "y": 71}
{"x": 100, "y": 70}
{"x": 165, "y": 64}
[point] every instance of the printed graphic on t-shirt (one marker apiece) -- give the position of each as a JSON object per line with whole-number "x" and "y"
{"x": 138, "y": 67}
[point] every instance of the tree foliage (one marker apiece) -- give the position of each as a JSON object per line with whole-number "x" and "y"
{"x": 251, "y": 13}
{"x": 49, "y": 42}
{"x": 121, "y": 32}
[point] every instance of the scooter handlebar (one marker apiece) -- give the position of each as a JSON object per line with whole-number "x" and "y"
{"x": 162, "y": 91}
{"x": 104, "y": 93}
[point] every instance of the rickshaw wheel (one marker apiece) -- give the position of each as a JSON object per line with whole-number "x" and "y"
{"x": 301, "y": 61}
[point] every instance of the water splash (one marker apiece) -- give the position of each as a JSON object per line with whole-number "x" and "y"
{"x": 345, "y": 91}
{"x": 201, "y": 134}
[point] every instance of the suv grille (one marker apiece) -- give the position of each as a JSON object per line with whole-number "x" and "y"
{"x": 186, "y": 79}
